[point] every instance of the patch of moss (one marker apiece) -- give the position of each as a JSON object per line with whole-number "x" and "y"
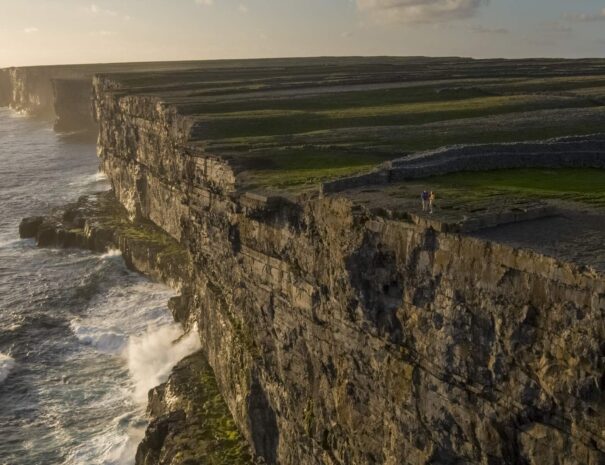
{"x": 244, "y": 336}
{"x": 210, "y": 435}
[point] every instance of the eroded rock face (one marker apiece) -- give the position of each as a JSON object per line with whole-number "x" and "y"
{"x": 338, "y": 337}
{"x": 5, "y": 88}
{"x": 27, "y": 90}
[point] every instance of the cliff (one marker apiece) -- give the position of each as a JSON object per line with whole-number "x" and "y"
{"x": 63, "y": 93}
{"x": 340, "y": 333}
{"x": 5, "y": 88}
{"x": 27, "y": 90}
{"x": 339, "y": 336}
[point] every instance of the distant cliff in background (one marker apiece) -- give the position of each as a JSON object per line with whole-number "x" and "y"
{"x": 63, "y": 93}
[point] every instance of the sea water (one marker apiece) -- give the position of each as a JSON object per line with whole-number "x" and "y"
{"x": 82, "y": 339}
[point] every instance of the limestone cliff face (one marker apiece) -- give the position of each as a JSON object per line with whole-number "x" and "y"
{"x": 28, "y": 90}
{"x": 339, "y": 337}
{"x": 59, "y": 93}
{"x": 5, "y": 88}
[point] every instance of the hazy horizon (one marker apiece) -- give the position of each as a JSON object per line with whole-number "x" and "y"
{"x": 49, "y": 32}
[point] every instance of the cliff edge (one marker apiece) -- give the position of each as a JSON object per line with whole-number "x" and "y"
{"x": 339, "y": 336}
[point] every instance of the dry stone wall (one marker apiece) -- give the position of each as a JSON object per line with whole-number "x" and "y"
{"x": 564, "y": 152}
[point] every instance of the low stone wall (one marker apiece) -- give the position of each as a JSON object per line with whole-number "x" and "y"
{"x": 566, "y": 152}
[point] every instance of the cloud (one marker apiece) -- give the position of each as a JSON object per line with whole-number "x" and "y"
{"x": 30, "y": 30}
{"x": 489, "y": 30}
{"x": 204, "y": 2}
{"x": 96, "y": 10}
{"x": 420, "y": 11}
{"x": 242, "y": 8}
{"x": 585, "y": 17}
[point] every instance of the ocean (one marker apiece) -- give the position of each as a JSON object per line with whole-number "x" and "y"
{"x": 82, "y": 338}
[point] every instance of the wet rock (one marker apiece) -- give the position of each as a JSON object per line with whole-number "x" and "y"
{"x": 29, "y": 227}
{"x": 190, "y": 422}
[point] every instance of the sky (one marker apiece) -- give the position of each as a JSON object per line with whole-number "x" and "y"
{"x": 38, "y": 32}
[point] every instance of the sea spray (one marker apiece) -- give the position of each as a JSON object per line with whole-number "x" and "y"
{"x": 111, "y": 253}
{"x": 6, "y": 365}
{"x": 152, "y": 355}
{"x": 98, "y": 180}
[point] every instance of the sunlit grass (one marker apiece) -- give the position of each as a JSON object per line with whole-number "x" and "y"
{"x": 299, "y": 169}
{"x": 291, "y": 121}
{"x": 580, "y": 185}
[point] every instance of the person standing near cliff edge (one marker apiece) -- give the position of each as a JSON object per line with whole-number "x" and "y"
{"x": 424, "y": 197}
{"x": 431, "y": 201}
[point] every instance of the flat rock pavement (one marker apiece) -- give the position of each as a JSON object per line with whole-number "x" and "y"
{"x": 576, "y": 236}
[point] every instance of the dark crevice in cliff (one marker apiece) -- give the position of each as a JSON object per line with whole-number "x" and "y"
{"x": 263, "y": 423}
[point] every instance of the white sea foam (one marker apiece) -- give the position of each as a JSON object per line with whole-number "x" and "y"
{"x": 93, "y": 180}
{"x": 6, "y": 365}
{"x": 112, "y": 253}
{"x": 124, "y": 447}
{"x": 10, "y": 243}
{"x": 106, "y": 340}
{"x": 152, "y": 356}
{"x": 18, "y": 114}
{"x": 100, "y": 176}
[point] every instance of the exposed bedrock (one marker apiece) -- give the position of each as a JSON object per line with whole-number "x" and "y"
{"x": 59, "y": 93}
{"x": 5, "y": 88}
{"x": 338, "y": 337}
{"x": 27, "y": 90}
{"x": 189, "y": 420}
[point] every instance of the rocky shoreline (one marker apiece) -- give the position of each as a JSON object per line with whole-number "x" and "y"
{"x": 189, "y": 421}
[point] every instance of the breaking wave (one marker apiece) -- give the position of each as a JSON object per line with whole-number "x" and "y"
{"x": 6, "y": 365}
{"x": 152, "y": 356}
{"x": 112, "y": 253}
{"x": 103, "y": 340}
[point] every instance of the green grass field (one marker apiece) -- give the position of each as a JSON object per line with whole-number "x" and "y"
{"x": 292, "y": 123}
{"x": 579, "y": 185}
{"x": 298, "y": 169}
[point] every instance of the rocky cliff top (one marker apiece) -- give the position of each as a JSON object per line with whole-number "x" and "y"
{"x": 288, "y": 124}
